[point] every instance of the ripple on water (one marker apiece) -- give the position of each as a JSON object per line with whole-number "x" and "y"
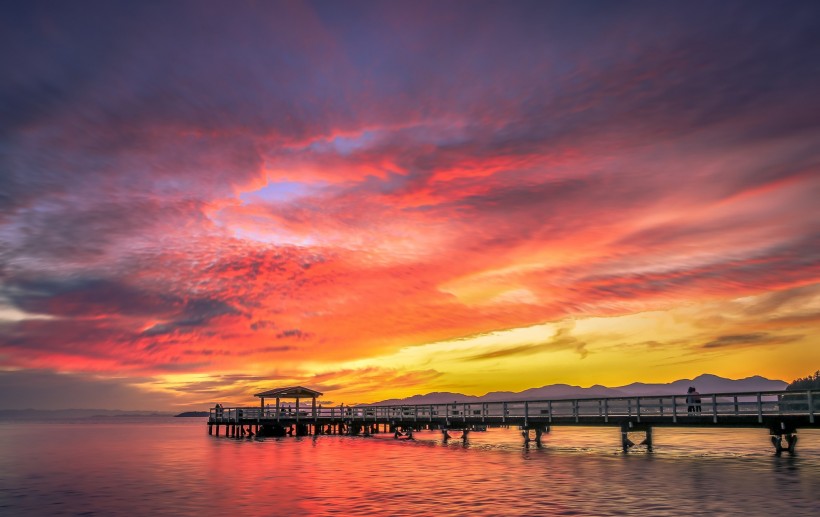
{"x": 176, "y": 468}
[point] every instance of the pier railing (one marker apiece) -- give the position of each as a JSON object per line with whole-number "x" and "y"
{"x": 716, "y": 408}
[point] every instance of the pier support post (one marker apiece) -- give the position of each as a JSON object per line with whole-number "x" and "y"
{"x": 445, "y": 435}
{"x": 787, "y": 430}
{"x": 791, "y": 440}
{"x": 464, "y": 435}
{"x": 626, "y": 443}
{"x": 210, "y": 429}
{"x": 777, "y": 441}
{"x": 217, "y": 429}
{"x": 648, "y": 440}
{"x": 791, "y": 443}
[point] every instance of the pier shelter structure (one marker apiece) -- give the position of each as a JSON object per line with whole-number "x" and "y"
{"x": 279, "y": 420}
{"x": 781, "y": 412}
{"x": 296, "y": 393}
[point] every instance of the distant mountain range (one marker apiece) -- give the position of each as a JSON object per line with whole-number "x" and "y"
{"x": 705, "y": 384}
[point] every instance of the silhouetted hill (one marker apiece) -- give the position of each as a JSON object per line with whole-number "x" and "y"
{"x": 811, "y": 382}
{"x": 705, "y": 384}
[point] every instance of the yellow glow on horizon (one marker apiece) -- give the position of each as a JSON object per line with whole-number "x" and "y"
{"x": 723, "y": 337}
{"x": 659, "y": 346}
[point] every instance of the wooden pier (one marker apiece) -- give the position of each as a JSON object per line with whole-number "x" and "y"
{"x": 781, "y": 412}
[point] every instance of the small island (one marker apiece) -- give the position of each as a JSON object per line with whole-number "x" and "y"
{"x": 192, "y": 414}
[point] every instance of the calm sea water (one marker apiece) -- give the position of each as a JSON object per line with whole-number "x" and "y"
{"x": 170, "y": 466}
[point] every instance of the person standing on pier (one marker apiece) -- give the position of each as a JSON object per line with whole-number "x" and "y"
{"x": 690, "y": 400}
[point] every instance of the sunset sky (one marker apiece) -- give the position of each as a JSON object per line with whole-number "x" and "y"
{"x": 203, "y": 200}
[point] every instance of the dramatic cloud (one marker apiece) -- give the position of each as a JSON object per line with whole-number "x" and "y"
{"x": 377, "y": 198}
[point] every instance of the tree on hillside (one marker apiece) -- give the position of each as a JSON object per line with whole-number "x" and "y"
{"x": 811, "y": 382}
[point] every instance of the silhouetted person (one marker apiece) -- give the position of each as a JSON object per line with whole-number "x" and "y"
{"x": 693, "y": 401}
{"x": 690, "y": 400}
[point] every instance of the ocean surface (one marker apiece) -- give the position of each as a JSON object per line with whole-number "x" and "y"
{"x": 170, "y": 466}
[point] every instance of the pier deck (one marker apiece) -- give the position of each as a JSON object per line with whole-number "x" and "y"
{"x": 779, "y": 411}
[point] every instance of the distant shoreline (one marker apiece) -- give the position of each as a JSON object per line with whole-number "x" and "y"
{"x": 187, "y": 414}
{"x": 63, "y": 414}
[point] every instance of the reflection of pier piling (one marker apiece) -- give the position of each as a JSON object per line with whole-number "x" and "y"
{"x": 782, "y": 413}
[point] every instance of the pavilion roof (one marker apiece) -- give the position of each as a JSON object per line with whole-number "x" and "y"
{"x": 290, "y": 392}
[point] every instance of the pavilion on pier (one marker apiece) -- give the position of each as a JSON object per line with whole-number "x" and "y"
{"x": 297, "y": 393}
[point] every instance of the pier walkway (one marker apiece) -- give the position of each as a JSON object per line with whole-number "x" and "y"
{"x": 781, "y": 412}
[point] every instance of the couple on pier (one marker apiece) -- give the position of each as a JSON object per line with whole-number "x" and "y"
{"x": 693, "y": 401}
